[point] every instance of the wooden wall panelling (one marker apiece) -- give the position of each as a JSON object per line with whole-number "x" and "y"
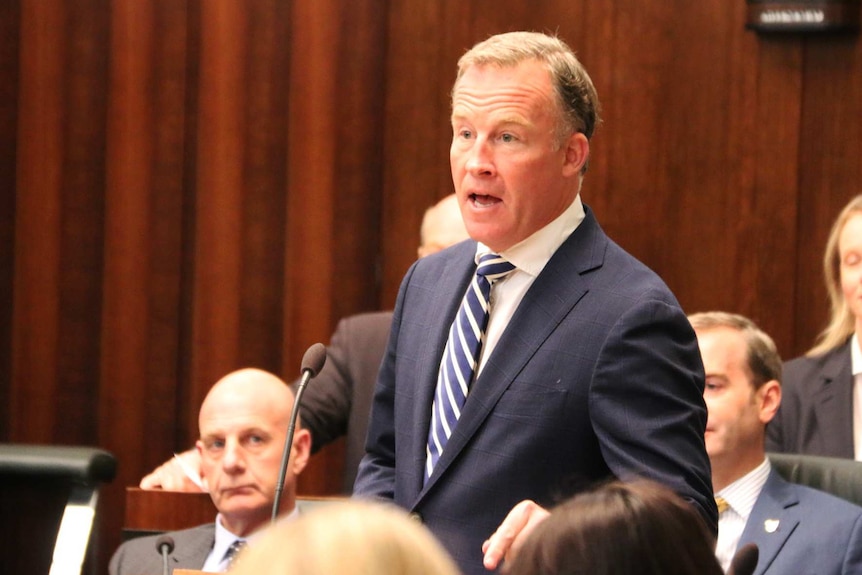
{"x": 59, "y": 221}
{"x": 769, "y": 214}
{"x": 830, "y": 168}
{"x": 335, "y": 143}
{"x": 219, "y": 196}
{"x": 10, "y": 19}
{"x": 37, "y": 226}
{"x": 139, "y": 420}
{"x": 419, "y": 75}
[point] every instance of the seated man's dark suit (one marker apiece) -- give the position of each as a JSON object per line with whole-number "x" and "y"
{"x": 139, "y": 556}
{"x": 338, "y": 401}
{"x": 816, "y": 413}
{"x": 799, "y": 530}
{"x": 597, "y": 375}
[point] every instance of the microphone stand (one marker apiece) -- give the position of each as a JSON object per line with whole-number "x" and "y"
{"x": 312, "y": 362}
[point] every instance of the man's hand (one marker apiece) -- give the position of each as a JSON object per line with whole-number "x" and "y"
{"x": 512, "y": 532}
{"x": 180, "y": 473}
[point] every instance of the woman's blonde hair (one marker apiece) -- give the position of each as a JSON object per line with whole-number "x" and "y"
{"x": 348, "y": 538}
{"x": 842, "y": 322}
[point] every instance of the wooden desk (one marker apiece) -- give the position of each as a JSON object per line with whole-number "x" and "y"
{"x": 150, "y": 511}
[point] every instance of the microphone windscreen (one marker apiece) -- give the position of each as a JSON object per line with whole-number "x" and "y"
{"x": 313, "y": 360}
{"x": 744, "y": 560}
{"x": 165, "y": 540}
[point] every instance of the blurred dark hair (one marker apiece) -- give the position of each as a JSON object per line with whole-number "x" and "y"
{"x": 632, "y": 528}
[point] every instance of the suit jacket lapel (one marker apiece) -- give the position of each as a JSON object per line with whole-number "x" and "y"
{"x": 771, "y": 521}
{"x": 192, "y": 550}
{"x": 551, "y": 297}
{"x": 833, "y": 400}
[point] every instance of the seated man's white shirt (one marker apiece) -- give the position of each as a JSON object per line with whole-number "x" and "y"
{"x": 216, "y": 561}
{"x": 741, "y": 495}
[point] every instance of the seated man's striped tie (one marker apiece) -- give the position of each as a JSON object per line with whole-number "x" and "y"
{"x": 233, "y": 552}
{"x": 461, "y": 356}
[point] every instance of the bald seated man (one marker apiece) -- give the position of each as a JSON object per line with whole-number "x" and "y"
{"x": 338, "y": 402}
{"x": 243, "y": 426}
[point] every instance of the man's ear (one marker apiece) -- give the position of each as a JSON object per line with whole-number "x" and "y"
{"x": 301, "y": 450}
{"x": 577, "y": 151}
{"x": 769, "y": 396}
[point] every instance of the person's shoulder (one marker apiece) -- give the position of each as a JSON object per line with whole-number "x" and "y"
{"x": 808, "y": 364}
{"x": 814, "y": 502}
{"x": 148, "y": 542}
{"x": 141, "y": 552}
{"x": 372, "y": 318}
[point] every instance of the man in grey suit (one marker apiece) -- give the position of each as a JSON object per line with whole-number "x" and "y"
{"x": 796, "y": 529}
{"x": 587, "y": 368}
{"x": 243, "y": 426}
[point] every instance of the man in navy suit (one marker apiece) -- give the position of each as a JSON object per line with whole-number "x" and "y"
{"x": 588, "y": 367}
{"x": 797, "y": 529}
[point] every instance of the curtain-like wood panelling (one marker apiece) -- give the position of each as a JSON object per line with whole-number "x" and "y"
{"x": 176, "y": 206}
{"x": 191, "y": 186}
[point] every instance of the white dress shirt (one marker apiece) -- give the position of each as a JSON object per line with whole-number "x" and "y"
{"x": 856, "y": 367}
{"x": 530, "y": 257}
{"x": 216, "y": 561}
{"x": 741, "y": 496}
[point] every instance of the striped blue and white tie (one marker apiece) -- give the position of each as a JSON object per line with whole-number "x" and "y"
{"x": 461, "y": 356}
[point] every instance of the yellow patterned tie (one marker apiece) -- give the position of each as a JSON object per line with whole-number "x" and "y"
{"x": 722, "y": 504}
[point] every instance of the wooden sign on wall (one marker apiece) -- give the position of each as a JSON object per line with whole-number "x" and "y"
{"x": 803, "y": 15}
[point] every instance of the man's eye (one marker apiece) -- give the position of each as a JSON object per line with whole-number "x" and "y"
{"x": 507, "y": 138}
{"x": 215, "y": 444}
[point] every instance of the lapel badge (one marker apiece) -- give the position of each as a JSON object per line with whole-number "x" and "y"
{"x": 770, "y": 525}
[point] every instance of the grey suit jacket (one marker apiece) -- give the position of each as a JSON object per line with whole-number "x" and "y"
{"x": 338, "y": 401}
{"x": 597, "y": 375}
{"x": 140, "y": 557}
{"x": 816, "y": 412}
{"x": 802, "y": 531}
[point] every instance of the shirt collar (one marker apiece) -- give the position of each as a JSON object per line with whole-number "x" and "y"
{"x": 533, "y": 253}
{"x": 224, "y": 538}
{"x": 742, "y": 494}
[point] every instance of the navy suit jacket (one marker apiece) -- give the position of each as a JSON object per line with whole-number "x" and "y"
{"x": 139, "y": 556}
{"x": 816, "y": 412}
{"x": 598, "y": 374}
{"x": 803, "y": 531}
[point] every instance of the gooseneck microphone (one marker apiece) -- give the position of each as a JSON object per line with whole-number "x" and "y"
{"x": 312, "y": 363}
{"x": 165, "y": 546}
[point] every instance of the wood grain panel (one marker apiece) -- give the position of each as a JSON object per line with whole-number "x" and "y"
{"x": 38, "y": 230}
{"x": 139, "y": 417}
{"x": 10, "y": 18}
{"x": 333, "y": 184}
